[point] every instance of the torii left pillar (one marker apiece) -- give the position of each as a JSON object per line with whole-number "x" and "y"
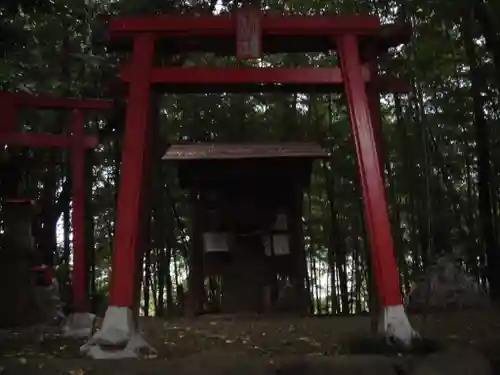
{"x": 119, "y": 328}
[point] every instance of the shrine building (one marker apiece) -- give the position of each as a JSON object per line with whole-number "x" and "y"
{"x": 246, "y": 216}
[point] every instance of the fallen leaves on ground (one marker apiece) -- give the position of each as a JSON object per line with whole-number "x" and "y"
{"x": 262, "y": 336}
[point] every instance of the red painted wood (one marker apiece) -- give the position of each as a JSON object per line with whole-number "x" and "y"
{"x": 248, "y": 33}
{"x": 51, "y": 102}
{"x": 211, "y": 79}
{"x": 376, "y": 114}
{"x": 32, "y": 139}
{"x": 374, "y": 202}
{"x": 225, "y": 25}
{"x": 208, "y": 76}
{"x": 80, "y": 300}
{"x": 124, "y": 276}
{"x": 20, "y": 200}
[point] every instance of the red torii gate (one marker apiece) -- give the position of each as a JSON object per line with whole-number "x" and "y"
{"x": 357, "y": 39}
{"x": 77, "y": 142}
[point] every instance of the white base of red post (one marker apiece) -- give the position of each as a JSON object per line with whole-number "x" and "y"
{"x": 118, "y": 337}
{"x": 79, "y": 325}
{"x": 396, "y": 327}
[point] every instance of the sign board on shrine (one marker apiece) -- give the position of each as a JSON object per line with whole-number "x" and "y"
{"x": 248, "y": 33}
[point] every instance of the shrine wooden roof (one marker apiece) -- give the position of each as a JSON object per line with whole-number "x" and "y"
{"x": 232, "y": 151}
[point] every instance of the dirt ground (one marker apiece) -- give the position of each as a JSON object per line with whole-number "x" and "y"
{"x": 208, "y": 340}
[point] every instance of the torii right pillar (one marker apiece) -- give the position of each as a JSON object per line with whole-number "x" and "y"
{"x": 394, "y": 322}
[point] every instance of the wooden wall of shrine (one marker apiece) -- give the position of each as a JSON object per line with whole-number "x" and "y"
{"x": 246, "y": 217}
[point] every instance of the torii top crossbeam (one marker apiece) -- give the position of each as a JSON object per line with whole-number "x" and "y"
{"x": 279, "y": 33}
{"x": 275, "y": 33}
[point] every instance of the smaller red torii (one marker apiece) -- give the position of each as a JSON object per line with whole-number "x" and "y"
{"x": 77, "y": 142}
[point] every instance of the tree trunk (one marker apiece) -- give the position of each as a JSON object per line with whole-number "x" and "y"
{"x": 146, "y": 283}
{"x": 336, "y": 241}
{"x": 160, "y": 275}
{"x": 357, "y": 276}
{"x": 483, "y": 163}
{"x": 488, "y": 23}
{"x": 89, "y": 238}
{"x": 472, "y": 253}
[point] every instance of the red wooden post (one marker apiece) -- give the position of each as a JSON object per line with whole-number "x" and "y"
{"x": 80, "y": 300}
{"x": 375, "y": 112}
{"x": 131, "y": 191}
{"x": 374, "y": 202}
{"x": 376, "y": 117}
{"x": 34, "y": 139}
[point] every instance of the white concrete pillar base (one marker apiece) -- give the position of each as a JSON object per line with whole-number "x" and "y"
{"x": 78, "y": 325}
{"x": 394, "y": 325}
{"x": 118, "y": 337}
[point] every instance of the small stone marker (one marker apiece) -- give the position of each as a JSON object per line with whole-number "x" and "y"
{"x": 446, "y": 287}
